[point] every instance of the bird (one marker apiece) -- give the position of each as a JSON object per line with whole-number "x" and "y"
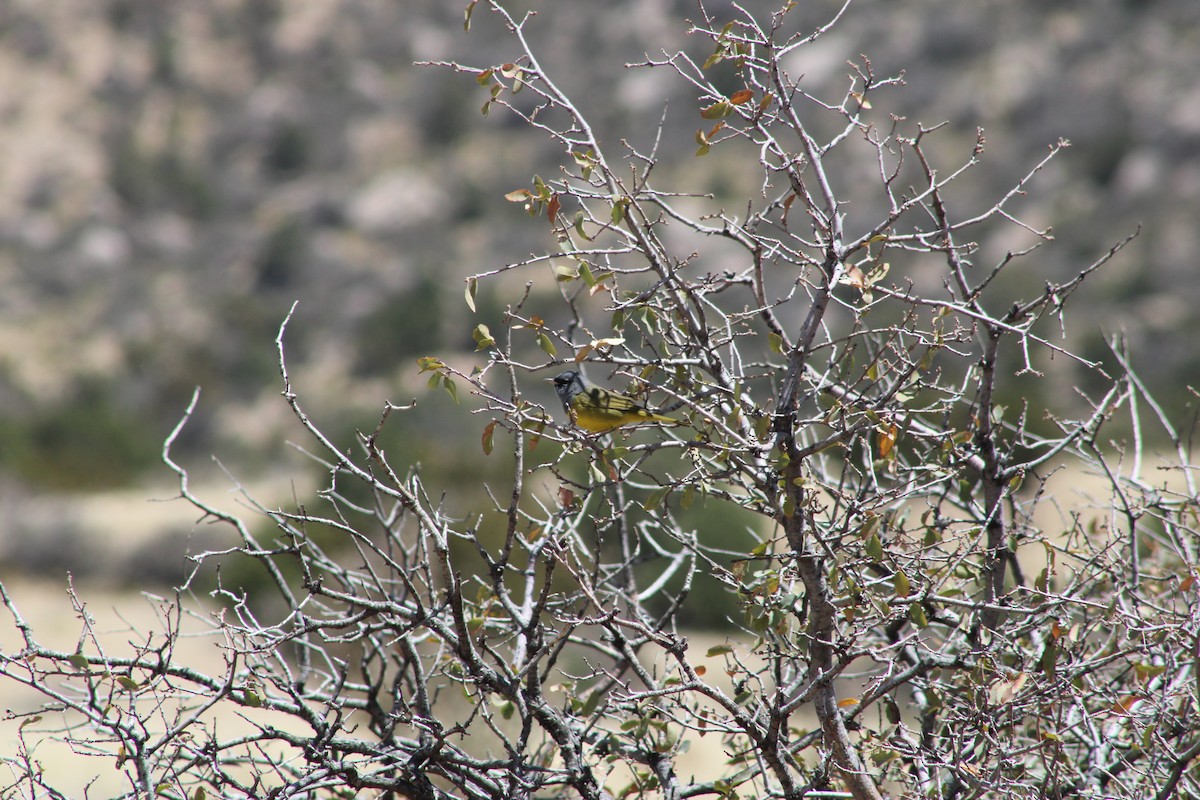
{"x": 599, "y": 410}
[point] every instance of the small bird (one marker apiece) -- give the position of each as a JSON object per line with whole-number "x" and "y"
{"x": 599, "y": 410}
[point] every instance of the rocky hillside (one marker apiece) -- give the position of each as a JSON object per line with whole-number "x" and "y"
{"x": 174, "y": 175}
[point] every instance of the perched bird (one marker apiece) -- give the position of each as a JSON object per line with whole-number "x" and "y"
{"x": 599, "y": 410}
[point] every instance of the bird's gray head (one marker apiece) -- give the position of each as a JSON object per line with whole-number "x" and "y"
{"x": 567, "y": 384}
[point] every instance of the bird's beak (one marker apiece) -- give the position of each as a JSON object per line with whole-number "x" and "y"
{"x": 548, "y": 380}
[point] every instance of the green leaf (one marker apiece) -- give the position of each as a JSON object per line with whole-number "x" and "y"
{"x": 776, "y": 342}
{"x": 79, "y": 661}
{"x": 1146, "y": 671}
{"x": 127, "y": 683}
{"x": 901, "y": 584}
{"x": 718, "y": 110}
{"x": 547, "y": 346}
{"x": 449, "y": 386}
{"x": 489, "y": 431}
{"x": 719, "y": 650}
{"x": 429, "y": 364}
{"x": 655, "y": 499}
{"x": 585, "y": 161}
{"x": 591, "y": 704}
{"x": 874, "y": 547}
{"x": 483, "y": 337}
{"x": 688, "y": 497}
{"x": 251, "y": 698}
{"x": 618, "y": 209}
{"x": 891, "y": 709}
{"x": 1049, "y": 660}
{"x": 469, "y": 294}
{"x": 585, "y": 272}
{"x": 916, "y": 612}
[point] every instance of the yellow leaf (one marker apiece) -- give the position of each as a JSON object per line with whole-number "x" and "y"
{"x": 855, "y": 277}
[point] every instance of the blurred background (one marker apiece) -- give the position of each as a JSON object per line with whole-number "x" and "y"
{"x": 173, "y": 176}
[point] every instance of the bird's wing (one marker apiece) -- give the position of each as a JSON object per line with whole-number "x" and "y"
{"x": 613, "y": 404}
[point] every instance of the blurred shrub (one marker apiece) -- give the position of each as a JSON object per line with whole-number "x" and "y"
{"x": 406, "y": 325}
{"x": 88, "y": 442}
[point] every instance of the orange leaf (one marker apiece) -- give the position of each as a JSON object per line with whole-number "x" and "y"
{"x": 886, "y": 441}
{"x": 552, "y": 208}
{"x": 1126, "y": 704}
{"x": 737, "y": 98}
